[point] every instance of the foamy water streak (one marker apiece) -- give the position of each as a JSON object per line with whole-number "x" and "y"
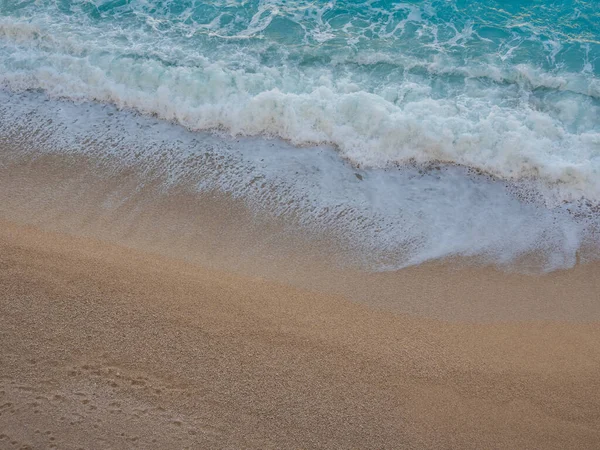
{"x": 384, "y": 219}
{"x": 507, "y": 89}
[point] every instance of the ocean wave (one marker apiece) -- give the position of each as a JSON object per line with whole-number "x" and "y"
{"x": 414, "y": 84}
{"x": 507, "y": 142}
{"x": 381, "y": 219}
{"x": 523, "y": 75}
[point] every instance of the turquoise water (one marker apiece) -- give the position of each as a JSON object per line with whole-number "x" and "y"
{"x": 507, "y": 88}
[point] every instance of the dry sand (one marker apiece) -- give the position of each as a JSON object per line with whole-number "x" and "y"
{"x": 107, "y": 347}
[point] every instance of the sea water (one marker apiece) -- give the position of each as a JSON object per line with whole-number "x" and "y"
{"x": 417, "y": 130}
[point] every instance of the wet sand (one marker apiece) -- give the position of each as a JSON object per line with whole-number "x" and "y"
{"x": 107, "y": 347}
{"x": 83, "y": 197}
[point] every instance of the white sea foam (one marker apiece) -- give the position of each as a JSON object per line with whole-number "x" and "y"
{"x": 509, "y": 142}
{"x": 387, "y": 219}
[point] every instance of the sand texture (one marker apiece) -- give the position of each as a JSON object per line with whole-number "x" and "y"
{"x": 107, "y": 347}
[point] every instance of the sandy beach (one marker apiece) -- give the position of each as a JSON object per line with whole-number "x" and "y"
{"x": 108, "y": 347}
{"x": 274, "y": 224}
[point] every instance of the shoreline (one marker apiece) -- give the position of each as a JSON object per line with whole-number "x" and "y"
{"x": 73, "y": 195}
{"x": 112, "y": 346}
{"x": 380, "y": 219}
